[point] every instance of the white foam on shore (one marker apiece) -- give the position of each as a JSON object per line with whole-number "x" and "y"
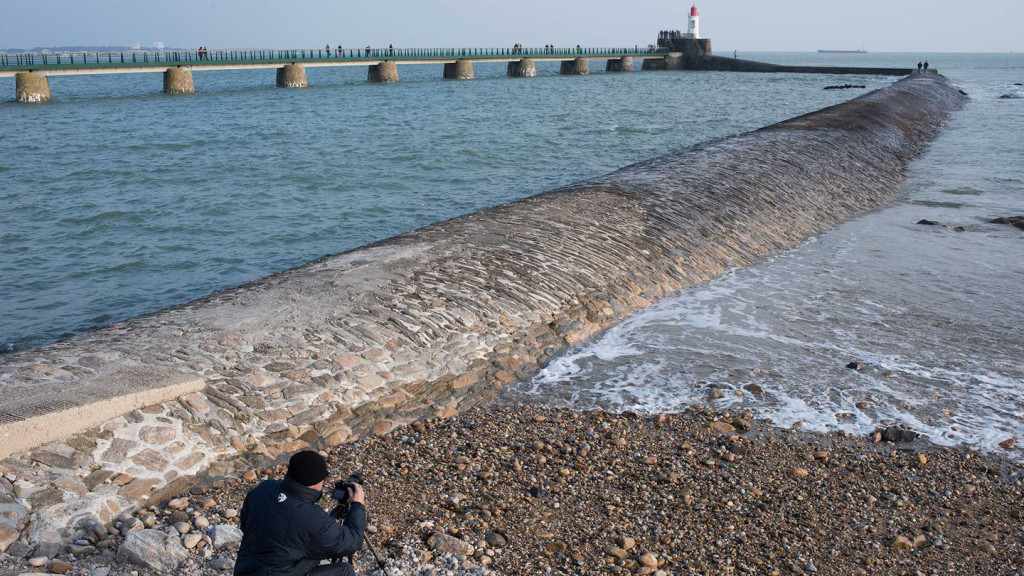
{"x": 790, "y": 327}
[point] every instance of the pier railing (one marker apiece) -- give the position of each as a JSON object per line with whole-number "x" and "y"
{"x": 164, "y": 58}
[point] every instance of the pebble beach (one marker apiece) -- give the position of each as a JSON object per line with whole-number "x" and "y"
{"x": 524, "y": 490}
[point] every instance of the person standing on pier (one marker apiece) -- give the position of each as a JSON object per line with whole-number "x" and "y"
{"x": 340, "y": 50}
{"x": 918, "y": 67}
{"x": 925, "y": 65}
{"x": 391, "y": 49}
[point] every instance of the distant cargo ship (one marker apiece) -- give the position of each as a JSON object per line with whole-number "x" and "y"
{"x": 861, "y": 51}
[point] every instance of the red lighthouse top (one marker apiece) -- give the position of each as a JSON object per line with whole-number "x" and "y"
{"x": 693, "y": 10}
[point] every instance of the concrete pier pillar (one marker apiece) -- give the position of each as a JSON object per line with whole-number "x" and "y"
{"x": 525, "y": 68}
{"x": 292, "y": 76}
{"x": 31, "y": 87}
{"x": 579, "y": 66}
{"x": 179, "y": 81}
{"x": 384, "y": 72}
{"x": 619, "y": 65}
{"x": 458, "y": 70}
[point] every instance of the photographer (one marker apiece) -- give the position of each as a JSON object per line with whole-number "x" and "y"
{"x": 285, "y": 533}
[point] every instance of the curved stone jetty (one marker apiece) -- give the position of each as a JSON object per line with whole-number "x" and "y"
{"x": 431, "y": 321}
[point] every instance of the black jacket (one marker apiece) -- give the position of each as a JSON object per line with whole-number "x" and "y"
{"x": 282, "y": 525}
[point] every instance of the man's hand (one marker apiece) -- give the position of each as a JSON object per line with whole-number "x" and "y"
{"x": 355, "y": 493}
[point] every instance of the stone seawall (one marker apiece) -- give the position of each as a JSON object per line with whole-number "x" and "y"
{"x": 429, "y": 322}
{"x": 720, "y": 64}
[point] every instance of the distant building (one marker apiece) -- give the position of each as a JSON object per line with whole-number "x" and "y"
{"x": 693, "y": 27}
{"x": 136, "y": 46}
{"x": 158, "y": 45}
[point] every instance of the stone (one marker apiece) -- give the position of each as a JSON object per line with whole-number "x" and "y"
{"x": 152, "y": 549}
{"x": 902, "y": 543}
{"x": 800, "y": 472}
{"x": 190, "y": 541}
{"x": 8, "y": 535}
{"x": 47, "y": 497}
{"x": 60, "y": 567}
{"x": 46, "y": 550}
{"x": 1015, "y": 221}
{"x": 495, "y": 540}
{"x": 97, "y": 477}
{"x": 101, "y": 571}
{"x": 927, "y": 223}
{"x": 118, "y": 450}
{"x": 222, "y": 563}
{"x": 19, "y": 550}
{"x": 721, "y": 427}
{"x": 224, "y": 535}
{"x": 1008, "y": 444}
{"x": 754, "y": 389}
{"x": 178, "y": 504}
{"x": 446, "y": 544}
{"x": 625, "y": 542}
{"x": 136, "y": 489}
{"x": 182, "y": 527}
{"x": 899, "y": 435}
{"x": 858, "y": 366}
{"x": 157, "y": 435}
{"x": 648, "y": 559}
{"x": 53, "y": 460}
{"x": 38, "y": 561}
{"x": 616, "y": 552}
{"x": 371, "y": 382}
{"x": 131, "y": 525}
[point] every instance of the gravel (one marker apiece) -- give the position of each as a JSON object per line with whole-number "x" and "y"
{"x": 523, "y": 490}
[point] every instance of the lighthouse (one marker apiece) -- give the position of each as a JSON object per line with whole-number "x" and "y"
{"x": 693, "y": 27}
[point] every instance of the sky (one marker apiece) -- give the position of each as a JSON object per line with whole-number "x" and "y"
{"x": 745, "y": 25}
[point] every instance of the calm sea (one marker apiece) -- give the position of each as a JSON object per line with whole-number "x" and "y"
{"x": 119, "y": 200}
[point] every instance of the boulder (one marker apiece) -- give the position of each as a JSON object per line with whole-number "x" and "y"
{"x": 1015, "y": 221}
{"x": 223, "y": 535}
{"x": 152, "y": 549}
{"x": 897, "y": 434}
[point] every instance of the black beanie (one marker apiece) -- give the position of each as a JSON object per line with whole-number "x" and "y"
{"x": 307, "y": 468}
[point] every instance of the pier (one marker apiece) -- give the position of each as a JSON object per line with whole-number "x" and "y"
{"x": 32, "y": 69}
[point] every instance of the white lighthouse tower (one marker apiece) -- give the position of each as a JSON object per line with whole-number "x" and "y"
{"x": 693, "y": 27}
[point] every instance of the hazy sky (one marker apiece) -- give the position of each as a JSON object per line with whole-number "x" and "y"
{"x": 747, "y": 25}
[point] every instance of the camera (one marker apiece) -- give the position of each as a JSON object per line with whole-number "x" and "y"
{"x": 340, "y": 492}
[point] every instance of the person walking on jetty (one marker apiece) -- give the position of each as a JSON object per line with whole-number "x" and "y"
{"x": 285, "y": 533}
{"x": 925, "y": 65}
{"x": 367, "y": 50}
{"x": 919, "y": 67}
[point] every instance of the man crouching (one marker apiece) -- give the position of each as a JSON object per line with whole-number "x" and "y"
{"x": 285, "y": 533}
